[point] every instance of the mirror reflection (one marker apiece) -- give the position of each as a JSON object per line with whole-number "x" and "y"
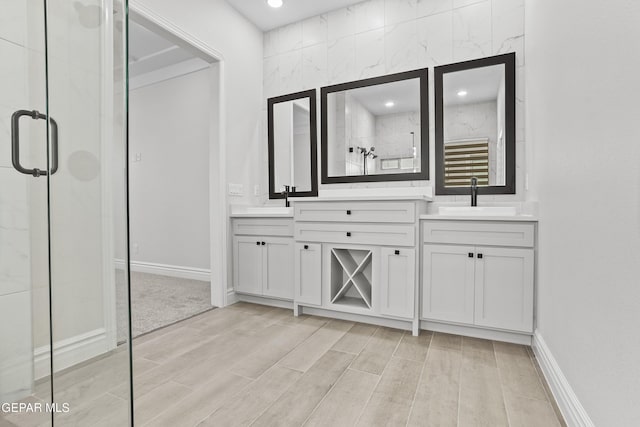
{"x": 374, "y": 132}
{"x": 474, "y": 126}
{"x": 292, "y": 142}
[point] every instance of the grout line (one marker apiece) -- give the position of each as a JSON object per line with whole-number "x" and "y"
{"x": 415, "y": 394}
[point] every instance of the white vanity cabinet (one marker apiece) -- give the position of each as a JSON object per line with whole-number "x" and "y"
{"x": 263, "y": 257}
{"x": 479, "y": 273}
{"x": 358, "y": 257}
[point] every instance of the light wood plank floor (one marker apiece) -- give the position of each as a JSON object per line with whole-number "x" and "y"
{"x": 254, "y": 365}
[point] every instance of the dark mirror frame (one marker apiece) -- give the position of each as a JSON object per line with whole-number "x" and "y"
{"x": 423, "y": 75}
{"x": 509, "y": 61}
{"x": 311, "y": 94}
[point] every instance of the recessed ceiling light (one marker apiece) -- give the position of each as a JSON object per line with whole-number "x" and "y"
{"x": 274, "y": 3}
{"x": 389, "y": 104}
{"x": 462, "y": 92}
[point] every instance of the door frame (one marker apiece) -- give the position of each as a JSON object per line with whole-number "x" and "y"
{"x": 219, "y": 233}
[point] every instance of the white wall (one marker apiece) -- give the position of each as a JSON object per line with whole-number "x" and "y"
{"x": 582, "y": 86}
{"x": 169, "y": 186}
{"x": 378, "y": 37}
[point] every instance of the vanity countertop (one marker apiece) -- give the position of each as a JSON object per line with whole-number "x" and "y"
{"x": 519, "y": 217}
{"x": 261, "y": 212}
{"x": 358, "y": 198}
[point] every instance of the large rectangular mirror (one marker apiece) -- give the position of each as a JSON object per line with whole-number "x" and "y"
{"x": 376, "y": 129}
{"x": 475, "y": 126}
{"x": 292, "y": 137}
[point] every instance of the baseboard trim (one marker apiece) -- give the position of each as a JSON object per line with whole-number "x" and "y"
{"x": 273, "y": 302}
{"x": 353, "y": 317}
{"x": 471, "y": 331}
{"x": 70, "y": 352}
{"x": 177, "y": 271}
{"x": 570, "y": 407}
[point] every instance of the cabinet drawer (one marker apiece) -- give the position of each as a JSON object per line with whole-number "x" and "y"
{"x": 478, "y": 233}
{"x": 356, "y": 211}
{"x": 367, "y": 234}
{"x": 263, "y": 226}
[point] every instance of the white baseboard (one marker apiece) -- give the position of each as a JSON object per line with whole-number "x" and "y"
{"x": 273, "y": 302}
{"x": 167, "y": 270}
{"x": 475, "y": 332}
{"x": 70, "y": 352}
{"x": 571, "y": 408}
{"x": 353, "y": 317}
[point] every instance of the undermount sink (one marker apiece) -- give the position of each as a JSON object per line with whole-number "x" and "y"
{"x": 477, "y": 210}
{"x": 262, "y": 210}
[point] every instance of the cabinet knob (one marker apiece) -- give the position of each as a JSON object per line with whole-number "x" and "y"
{"x": 397, "y": 252}
{"x": 348, "y": 211}
{"x": 470, "y": 254}
{"x": 258, "y": 243}
{"x": 262, "y": 243}
{"x": 306, "y": 246}
{"x": 480, "y": 256}
{"x": 348, "y": 234}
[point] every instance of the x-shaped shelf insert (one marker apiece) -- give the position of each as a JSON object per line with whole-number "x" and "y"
{"x": 356, "y": 277}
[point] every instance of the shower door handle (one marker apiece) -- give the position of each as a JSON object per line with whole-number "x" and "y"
{"x": 15, "y": 142}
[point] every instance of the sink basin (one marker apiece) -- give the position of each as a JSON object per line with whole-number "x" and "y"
{"x": 262, "y": 211}
{"x": 477, "y": 210}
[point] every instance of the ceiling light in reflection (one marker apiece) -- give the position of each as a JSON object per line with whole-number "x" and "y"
{"x": 389, "y": 104}
{"x": 274, "y": 3}
{"x": 462, "y": 93}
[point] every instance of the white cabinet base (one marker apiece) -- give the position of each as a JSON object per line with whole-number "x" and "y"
{"x": 477, "y": 332}
{"x": 253, "y": 299}
{"x": 406, "y": 325}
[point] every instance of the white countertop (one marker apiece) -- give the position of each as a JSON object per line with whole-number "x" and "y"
{"x": 522, "y": 218}
{"x": 356, "y": 198}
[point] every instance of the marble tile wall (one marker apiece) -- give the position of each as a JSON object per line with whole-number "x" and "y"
{"x": 378, "y": 37}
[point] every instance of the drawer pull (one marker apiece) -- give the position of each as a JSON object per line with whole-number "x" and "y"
{"x": 306, "y": 246}
{"x": 397, "y": 252}
{"x": 348, "y": 211}
{"x": 263, "y": 243}
{"x": 479, "y": 256}
{"x": 258, "y": 243}
{"x": 470, "y": 254}
{"x": 348, "y": 234}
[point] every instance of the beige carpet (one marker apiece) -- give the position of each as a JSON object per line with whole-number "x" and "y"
{"x": 158, "y": 301}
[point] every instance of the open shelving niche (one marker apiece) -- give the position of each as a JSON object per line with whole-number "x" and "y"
{"x": 351, "y": 271}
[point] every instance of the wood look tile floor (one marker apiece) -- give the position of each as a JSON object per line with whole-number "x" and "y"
{"x": 261, "y": 366}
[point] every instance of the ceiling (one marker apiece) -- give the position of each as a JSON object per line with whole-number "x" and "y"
{"x": 481, "y": 85}
{"x": 149, "y": 51}
{"x": 267, "y": 18}
{"x": 405, "y": 95}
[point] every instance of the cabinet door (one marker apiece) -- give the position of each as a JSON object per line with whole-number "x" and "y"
{"x": 308, "y": 273}
{"x": 504, "y": 288}
{"x": 278, "y": 265}
{"x": 397, "y": 281}
{"x": 247, "y": 264}
{"x": 448, "y": 283}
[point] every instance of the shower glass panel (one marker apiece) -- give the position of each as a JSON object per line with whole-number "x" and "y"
{"x": 64, "y": 286}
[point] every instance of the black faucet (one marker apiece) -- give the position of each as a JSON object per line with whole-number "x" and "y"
{"x": 285, "y": 193}
{"x": 474, "y": 191}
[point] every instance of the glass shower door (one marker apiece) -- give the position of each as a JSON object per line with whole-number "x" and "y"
{"x": 64, "y": 309}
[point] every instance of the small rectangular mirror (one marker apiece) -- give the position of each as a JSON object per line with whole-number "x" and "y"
{"x": 376, "y": 129}
{"x": 475, "y": 125}
{"x": 292, "y": 135}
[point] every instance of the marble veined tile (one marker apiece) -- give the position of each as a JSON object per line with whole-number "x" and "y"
{"x": 435, "y": 39}
{"x": 401, "y": 47}
{"x": 370, "y": 15}
{"x": 508, "y": 28}
{"x": 270, "y": 43}
{"x": 472, "y": 31}
{"x": 341, "y": 23}
{"x": 290, "y": 37}
{"x": 13, "y": 21}
{"x": 432, "y": 7}
{"x": 400, "y": 11}
{"x": 341, "y": 59}
{"x": 13, "y": 84}
{"x": 271, "y": 76}
{"x": 314, "y": 30}
{"x": 370, "y": 54}
{"x": 314, "y": 66}
{"x": 291, "y": 72}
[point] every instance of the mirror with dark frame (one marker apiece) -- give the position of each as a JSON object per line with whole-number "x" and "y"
{"x": 475, "y": 126}
{"x": 376, "y": 129}
{"x": 292, "y": 137}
